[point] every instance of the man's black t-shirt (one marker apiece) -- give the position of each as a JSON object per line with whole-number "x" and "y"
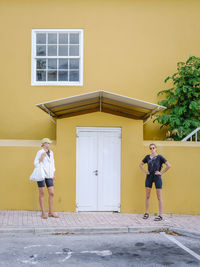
{"x": 155, "y": 163}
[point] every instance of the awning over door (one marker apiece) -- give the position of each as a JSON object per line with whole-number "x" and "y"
{"x": 100, "y": 101}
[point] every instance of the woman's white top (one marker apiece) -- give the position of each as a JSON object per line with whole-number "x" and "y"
{"x": 47, "y": 163}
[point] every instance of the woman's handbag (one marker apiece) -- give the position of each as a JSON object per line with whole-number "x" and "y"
{"x": 38, "y": 174}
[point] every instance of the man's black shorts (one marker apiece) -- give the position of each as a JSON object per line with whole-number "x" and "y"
{"x": 152, "y": 178}
{"x": 47, "y": 181}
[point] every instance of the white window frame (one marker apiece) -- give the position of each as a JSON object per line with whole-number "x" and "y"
{"x": 33, "y": 61}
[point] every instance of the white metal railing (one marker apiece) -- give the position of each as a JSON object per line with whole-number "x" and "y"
{"x": 193, "y": 133}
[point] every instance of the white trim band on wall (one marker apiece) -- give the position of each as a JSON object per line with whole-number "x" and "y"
{"x": 22, "y": 143}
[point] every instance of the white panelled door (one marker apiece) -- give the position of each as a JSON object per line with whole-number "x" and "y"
{"x": 98, "y": 169}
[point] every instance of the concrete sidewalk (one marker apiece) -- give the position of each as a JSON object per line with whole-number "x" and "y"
{"x": 94, "y": 222}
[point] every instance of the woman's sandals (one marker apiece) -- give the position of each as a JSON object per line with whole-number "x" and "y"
{"x": 53, "y": 215}
{"x": 44, "y": 216}
{"x": 159, "y": 218}
{"x": 146, "y": 216}
{"x": 49, "y": 215}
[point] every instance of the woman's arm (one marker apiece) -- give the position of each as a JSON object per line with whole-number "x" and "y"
{"x": 38, "y": 158}
{"x": 142, "y": 168}
{"x": 42, "y": 157}
{"x": 53, "y": 164}
{"x": 168, "y": 165}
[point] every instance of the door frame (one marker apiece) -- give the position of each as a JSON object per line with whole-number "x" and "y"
{"x": 97, "y": 129}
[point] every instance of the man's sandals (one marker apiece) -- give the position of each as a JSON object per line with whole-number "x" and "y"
{"x": 146, "y": 216}
{"x": 158, "y": 218}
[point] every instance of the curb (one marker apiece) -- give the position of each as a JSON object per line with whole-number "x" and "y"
{"x": 64, "y": 230}
{"x": 17, "y": 230}
{"x": 185, "y": 232}
{"x": 82, "y": 230}
{"x": 145, "y": 229}
{"x": 95, "y": 230}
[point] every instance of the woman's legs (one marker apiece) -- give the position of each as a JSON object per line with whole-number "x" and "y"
{"x": 51, "y": 196}
{"x": 160, "y": 201}
{"x": 148, "y": 192}
{"x": 41, "y": 200}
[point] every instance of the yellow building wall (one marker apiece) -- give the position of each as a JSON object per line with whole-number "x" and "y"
{"x": 130, "y": 46}
{"x": 66, "y": 156}
{"x": 180, "y": 184}
{"x": 16, "y": 191}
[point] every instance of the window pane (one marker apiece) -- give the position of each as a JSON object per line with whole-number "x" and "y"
{"x": 52, "y": 38}
{"x": 41, "y": 63}
{"x": 52, "y": 50}
{"x": 41, "y": 76}
{"x": 63, "y": 63}
{"x": 41, "y": 38}
{"x": 74, "y": 38}
{"x": 57, "y": 56}
{"x": 63, "y": 50}
{"x": 74, "y": 76}
{"x": 63, "y": 76}
{"x": 52, "y": 75}
{"x": 63, "y": 38}
{"x": 74, "y": 50}
{"x": 52, "y": 63}
{"x": 74, "y": 63}
{"x": 41, "y": 50}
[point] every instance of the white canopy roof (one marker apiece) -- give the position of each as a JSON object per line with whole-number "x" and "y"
{"x": 100, "y": 101}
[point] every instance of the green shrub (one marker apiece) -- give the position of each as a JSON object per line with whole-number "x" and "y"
{"x": 182, "y": 101}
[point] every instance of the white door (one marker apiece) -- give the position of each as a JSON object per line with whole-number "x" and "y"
{"x": 98, "y": 169}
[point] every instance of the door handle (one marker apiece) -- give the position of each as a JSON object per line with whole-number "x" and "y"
{"x": 95, "y": 172}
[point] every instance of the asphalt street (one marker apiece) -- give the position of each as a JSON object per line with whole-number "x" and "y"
{"x": 141, "y": 249}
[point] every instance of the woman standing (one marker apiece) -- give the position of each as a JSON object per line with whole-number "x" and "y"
{"x": 154, "y": 173}
{"x": 45, "y": 156}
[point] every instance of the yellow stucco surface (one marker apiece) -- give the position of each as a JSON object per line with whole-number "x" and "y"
{"x": 180, "y": 184}
{"x": 66, "y": 162}
{"x": 129, "y": 48}
{"x": 16, "y": 191}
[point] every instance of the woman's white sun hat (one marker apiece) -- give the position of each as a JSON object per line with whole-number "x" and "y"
{"x": 46, "y": 140}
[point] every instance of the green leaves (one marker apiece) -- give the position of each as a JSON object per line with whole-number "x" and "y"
{"x": 167, "y": 79}
{"x": 194, "y": 105}
{"x": 182, "y": 115}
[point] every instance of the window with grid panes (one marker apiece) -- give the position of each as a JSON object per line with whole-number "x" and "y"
{"x": 57, "y": 57}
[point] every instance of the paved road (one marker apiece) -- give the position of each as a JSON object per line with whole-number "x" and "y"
{"x": 144, "y": 249}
